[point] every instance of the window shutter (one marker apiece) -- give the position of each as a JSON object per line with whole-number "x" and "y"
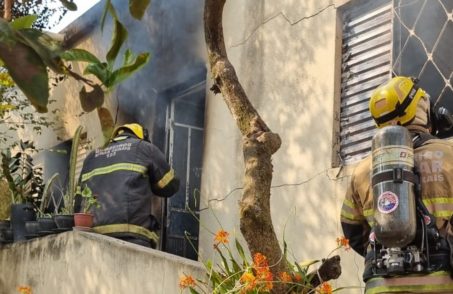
{"x": 366, "y": 63}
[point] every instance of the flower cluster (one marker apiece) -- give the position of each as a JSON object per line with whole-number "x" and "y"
{"x": 24, "y": 290}
{"x": 325, "y": 288}
{"x": 246, "y": 277}
{"x": 186, "y": 281}
{"x": 258, "y": 277}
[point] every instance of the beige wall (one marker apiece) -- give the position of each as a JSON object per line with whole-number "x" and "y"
{"x": 285, "y": 59}
{"x": 80, "y": 262}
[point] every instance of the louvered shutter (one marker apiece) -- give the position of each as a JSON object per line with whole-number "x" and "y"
{"x": 366, "y": 63}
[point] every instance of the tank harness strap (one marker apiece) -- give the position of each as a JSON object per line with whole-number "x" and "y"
{"x": 397, "y": 175}
{"x": 127, "y": 228}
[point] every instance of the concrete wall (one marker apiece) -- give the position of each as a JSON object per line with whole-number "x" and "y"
{"x": 88, "y": 263}
{"x": 284, "y": 53}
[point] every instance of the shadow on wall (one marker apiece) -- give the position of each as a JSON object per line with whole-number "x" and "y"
{"x": 282, "y": 58}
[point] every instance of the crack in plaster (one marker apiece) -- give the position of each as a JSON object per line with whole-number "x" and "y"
{"x": 288, "y": 20}
{"x": 326, "y": 171}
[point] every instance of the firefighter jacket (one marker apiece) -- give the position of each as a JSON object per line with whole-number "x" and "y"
{"x": 124, "y": 176}
{"x": 434, "y": 160}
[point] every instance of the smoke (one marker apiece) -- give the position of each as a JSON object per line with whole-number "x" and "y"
{"x": 172, "y": 31}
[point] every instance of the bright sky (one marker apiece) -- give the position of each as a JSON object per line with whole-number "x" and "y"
{"x": 82, "y": 6}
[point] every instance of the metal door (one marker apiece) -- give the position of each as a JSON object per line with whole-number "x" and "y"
{"x": 185, "y": 130}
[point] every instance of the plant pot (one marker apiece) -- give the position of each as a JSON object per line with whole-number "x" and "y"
{"x": 6, "y": 235}
{"x": 32, "y": 228}
{"x": 47, "y": 225}
{"x": 84, "y": 220}
{"x": 64, "y": 222}
{"x": 20, "y": 213}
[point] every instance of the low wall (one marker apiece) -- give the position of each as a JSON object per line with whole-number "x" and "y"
{"x": 82, "y": 262}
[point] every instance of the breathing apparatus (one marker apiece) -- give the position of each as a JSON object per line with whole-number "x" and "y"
{"x": 404, "y": 234}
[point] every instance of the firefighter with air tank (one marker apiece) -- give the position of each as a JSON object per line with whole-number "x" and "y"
{"x": 398, "y": 207}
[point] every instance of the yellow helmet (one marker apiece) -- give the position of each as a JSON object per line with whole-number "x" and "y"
{"x": 395, "y": 101}
{"x": 135, "y": 128}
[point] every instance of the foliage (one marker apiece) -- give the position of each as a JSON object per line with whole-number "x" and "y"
{"x": 252, "y": 275}
{"x": 48, "y": 12}
{"x": 16, "y": 112}
{"x": 88, "y": 200}
{"x": 24, "y": 177}
{"x": 46, "y": 195}
{"x": 24, "y": 47}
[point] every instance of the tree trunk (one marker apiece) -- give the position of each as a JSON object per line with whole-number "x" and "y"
{"x": 259, "y": 143}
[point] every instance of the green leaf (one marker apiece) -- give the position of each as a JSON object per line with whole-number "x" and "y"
{"x": 125, "y": 72}
{"x": 99, "y": 70}
{"x": 79, "y": 55}
{"x": 224, "y": 262}
{"x": 137, "y": 8}
{"x": 128, "y": 57}
{"x": 70, "y": 5}
{"x": 118, "y": 38}
{"x": 91, "y": 100}
{"x": 47, "y": 48}
{"x": 236, "y": 266}
{"x": 6, "y": 33}
{"x": 28, "y": 71}
{"x": 24, "y": 22}
{"x": 193, "y": 291}
{"x": 104, "y": 13}
{"x": 240, "y": 250}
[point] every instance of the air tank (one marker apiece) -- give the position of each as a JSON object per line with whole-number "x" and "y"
{"x": 393, "y": 188}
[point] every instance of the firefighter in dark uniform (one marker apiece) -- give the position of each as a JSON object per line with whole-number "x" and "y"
{"x": 124, "y": 176}
{"x": 401, "y": 102}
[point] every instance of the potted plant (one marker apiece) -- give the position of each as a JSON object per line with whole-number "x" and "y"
{"x": 46, "y": 222}
{"x": 64, "y": 213}
{"x": 84, "y": 219}
{"x": 25, "y": 184}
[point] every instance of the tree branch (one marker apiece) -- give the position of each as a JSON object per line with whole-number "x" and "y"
{"x": 330, "y": 269}
{"x": 8, "y": 6}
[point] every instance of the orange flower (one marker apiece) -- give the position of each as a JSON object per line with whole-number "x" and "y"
{"x": 263, "y": 273}
{"x": 249, "y": 282}
{"x": 325, "y": 288}
{"x": 343, "y": 242}
{"x": 297, "y": 277}
{"x": 24, "y": 290}
{"x": 260, "y": 260}
{"x": 285, "y": 277}
{"x": 186, "y": 282}
{"x": 221, "y": 237}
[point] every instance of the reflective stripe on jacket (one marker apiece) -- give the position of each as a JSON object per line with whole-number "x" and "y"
{"x": 124, "y": 176}
{"x": 438, "y": 282}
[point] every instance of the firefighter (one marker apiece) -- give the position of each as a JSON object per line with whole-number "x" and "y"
{"x": 400, "y": 101}
{"x": 124, "y": 176}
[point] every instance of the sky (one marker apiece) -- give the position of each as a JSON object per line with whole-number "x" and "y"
{"x": 82, "y": 6}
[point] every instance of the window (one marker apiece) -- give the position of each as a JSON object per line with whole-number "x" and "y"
{"x": 365, "y": 64}
{"x": 384, "y": 38}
